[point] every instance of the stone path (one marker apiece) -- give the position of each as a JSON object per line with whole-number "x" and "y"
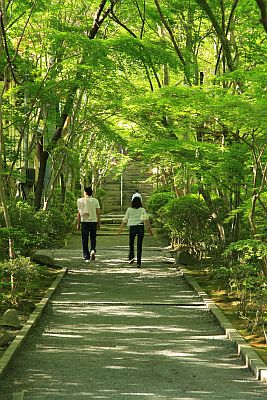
{"x": 113, "y": 331}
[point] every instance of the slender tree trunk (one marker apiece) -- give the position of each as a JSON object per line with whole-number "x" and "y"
{"x": 236, "y": 221}
{"x": 100, "y": 16}
{"x": 63, "y": 191}
{"x": 263, "y": 10}
{"x": 53, "y": 185}
{"x": 175, "y": 45}
{"x": 4, "y": 85}
{"x": 221, "y": 34}
{"x": 2, "y": 192}
{"x": 214, "y": 213}
{"x": 43, "y": 157}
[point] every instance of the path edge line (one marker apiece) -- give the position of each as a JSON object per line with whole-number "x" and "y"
{"x": 244, "y": 350}
{"x": 13, "y": 348}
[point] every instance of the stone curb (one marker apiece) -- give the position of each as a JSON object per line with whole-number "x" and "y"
{"x": 244, "y": 350}
{"x": 27, "y": 327}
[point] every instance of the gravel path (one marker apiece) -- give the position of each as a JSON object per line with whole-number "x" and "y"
{"x": 113, "y": 331}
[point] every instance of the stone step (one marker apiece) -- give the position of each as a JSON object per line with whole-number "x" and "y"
{"x": 128, "y": 189}
{"x": 118, "y": 191}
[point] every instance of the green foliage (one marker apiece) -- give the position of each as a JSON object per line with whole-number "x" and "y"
{"x": 259, "y": 216}
{"x": 66, "y": 209}
{"x": 32, "y": 229}
{"x": 158, "y": 200}
{"x": 244, "y": 275}
{"x": 19, "y": 277}
{"x": 187, "y": 218}
{"x": 20, "y": 239}
{"x": 249, "y": 250}
{"x": 186, "y": 215}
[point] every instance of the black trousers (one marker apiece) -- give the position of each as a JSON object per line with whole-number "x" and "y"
{"x": 88, "y": 229}
{"x": 139, "y": 231}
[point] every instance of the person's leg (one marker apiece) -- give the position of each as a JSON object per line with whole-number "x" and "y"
{"x": 85, "y": 236}
{"x": 140, "y": 237}
{"x": 132, "y": 234}
{"x": 92, "y": 229}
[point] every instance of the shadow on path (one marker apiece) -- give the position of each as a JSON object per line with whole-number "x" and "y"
{"x": 113, "y": 331}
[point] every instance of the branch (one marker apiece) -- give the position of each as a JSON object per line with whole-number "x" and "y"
{"x": 9, "y": 62}
{"x": 97, "y": 20}
{"x": 226, "y": 32}
{"x": 263, "y": 9}
{"x": 143, "y": 19}
{"x": 175, "y": 45}
{"x": 221, "y": 35}
{"x": 22, "y": 33}
{"x": 116, "y": 19}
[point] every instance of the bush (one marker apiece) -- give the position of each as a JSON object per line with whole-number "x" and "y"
{"x": 243, "y": 276}
{"x": 69, "y": 208}
{"x": 32, "y": 229}
{"x": 188, "y": 219}
{"x": 158, "y": 200}
{"x": 18, "y": 277}
{"x": 21, "y": 239}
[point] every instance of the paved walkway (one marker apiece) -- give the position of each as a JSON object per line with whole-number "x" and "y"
{"x": 113, "y": 331}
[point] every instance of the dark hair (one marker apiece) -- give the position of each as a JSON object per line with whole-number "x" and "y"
{"x": 136, "y": 202}
{"x": 88, "y": 191}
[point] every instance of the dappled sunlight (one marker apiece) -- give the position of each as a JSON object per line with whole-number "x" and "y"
{"x": 118, "y": 367}
{"x": 111, "y": 268}
{"x": 116, "y": 332}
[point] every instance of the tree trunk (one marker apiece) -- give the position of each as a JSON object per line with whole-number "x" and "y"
{"x": 63, "y": 191}
{"x": 175, "y": 45}
{"x": 221, "y": 34}
{"x": 263, "y": 9}
{"x": 214, "y": 213}
{"x": 43, "y": 157}
{"x": 98, "y": 20}
{"x": 3, "y": 77}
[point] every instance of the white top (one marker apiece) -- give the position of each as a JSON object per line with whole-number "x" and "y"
{"x": 135, "y": 216}
{"x": 87, "y": 208}
{"x": 136, "y": 195}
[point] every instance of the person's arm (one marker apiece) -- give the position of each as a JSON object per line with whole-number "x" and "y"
{"x": 78, "y": 220}
{"x": 147, "y": 222}
{"x": 98, "y": 217}
{"x": 124, "y": 221}
{"x": 121, "y": 227}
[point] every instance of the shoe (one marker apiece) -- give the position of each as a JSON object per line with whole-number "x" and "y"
{"x": 87, "y": 260}
{"x": 92, "y": 255}
{"x": 131, "y": 261}
{"x": 138, "y": 266}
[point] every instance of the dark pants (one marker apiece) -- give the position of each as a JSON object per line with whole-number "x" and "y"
{"x": 88, "y": 228}
{"x": 136, "y": 230}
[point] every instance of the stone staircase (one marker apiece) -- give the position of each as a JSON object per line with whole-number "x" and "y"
{"x": 110, "y": 224}
{"x": 118, "y": 194}
{"x": 119, "y": 191}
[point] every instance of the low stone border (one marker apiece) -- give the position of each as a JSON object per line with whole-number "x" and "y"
{"x": 27, "y": 327}
{"x": 247, "y": 353}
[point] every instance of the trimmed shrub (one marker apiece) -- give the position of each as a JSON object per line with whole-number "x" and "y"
{"x": 158, "y": 200}
{"x": 32, "y": 229}
{"x": 188, "y": 219}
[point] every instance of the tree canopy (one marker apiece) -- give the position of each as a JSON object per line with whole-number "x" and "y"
{"x": 181, "y": 82}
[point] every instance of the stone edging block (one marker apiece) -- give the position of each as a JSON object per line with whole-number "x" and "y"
{"x": 27, "y": 327}
{"x": 247, "y": 353}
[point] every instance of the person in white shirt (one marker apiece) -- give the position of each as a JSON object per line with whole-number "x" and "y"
{"x": 135, "y": 218}
{"x": 137, "y": 194}
{"x": 88, "y": 218}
